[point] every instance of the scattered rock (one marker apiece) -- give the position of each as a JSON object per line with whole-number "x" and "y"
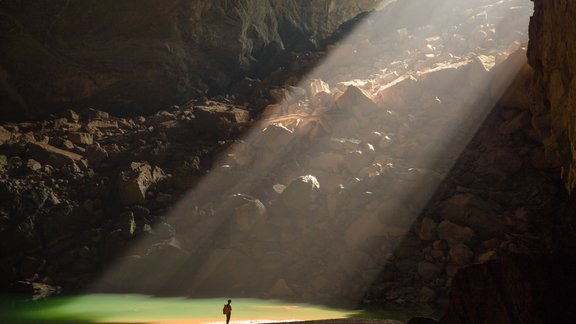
{"x": 54, "y": 156}
{"x": 133, "y": 183}
{"x": 301, "y": 192}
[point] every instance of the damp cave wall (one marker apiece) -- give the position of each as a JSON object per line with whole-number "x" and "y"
{"x": 143, "y": 55}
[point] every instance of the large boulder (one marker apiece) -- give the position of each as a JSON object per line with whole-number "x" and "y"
{"x": 134, "y": 182}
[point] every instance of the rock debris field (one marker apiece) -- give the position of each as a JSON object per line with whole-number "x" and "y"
{"x": 370, "y": 183}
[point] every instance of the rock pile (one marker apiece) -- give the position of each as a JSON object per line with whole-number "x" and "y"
{"x": 346, "y": 189}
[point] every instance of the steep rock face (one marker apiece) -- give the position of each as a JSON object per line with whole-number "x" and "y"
{"x": 143, "y": 55}
{"x": 552, "y": 53}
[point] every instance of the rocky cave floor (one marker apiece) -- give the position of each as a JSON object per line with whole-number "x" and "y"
{"x": 344, "y": 177}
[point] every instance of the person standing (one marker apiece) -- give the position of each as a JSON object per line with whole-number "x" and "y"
{"x": 227, "y": 310}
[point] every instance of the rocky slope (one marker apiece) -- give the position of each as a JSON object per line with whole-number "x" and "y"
{"x": 343, "y": 190}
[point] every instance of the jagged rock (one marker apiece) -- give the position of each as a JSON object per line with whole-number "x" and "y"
{"x": 454, "y": 234}
{"x": 64, "y": 144}
{"x": 357, "y": 101}
{"x": 461, "y": 254}
{"x": 249, "y": 215}
{"x": 80, "y": 138}
{"x": 301, "y": 192}
{"x": 186, "y": 174}
{"x": 54, "y": 156}
{"x": 133, "y": 183}
{"x": 318, "y": 91}
{"x": 217, "y": 116}
{"x": 478, "y": 72}
{"x": 400, "y": 92}
{"x": 274, "y": 138}
{"x": 96, "y": 154}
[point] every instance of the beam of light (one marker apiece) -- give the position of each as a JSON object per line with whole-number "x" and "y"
{"x": 313, "y": 201}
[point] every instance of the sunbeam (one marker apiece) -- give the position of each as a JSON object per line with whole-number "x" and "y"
{"x": 316, "y": 198}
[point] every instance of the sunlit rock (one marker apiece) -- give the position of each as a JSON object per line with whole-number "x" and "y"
{"x": 511, "y": 85}
{"x": 275, "y": 137}
{"x": 445, "y": 78}
{"x": 400, "y": 92}
{"x": 357, "y": 101}
{"x": 250, "y": 214}
{"x": 301, "y": 192}
{"x": 479, "y": 72}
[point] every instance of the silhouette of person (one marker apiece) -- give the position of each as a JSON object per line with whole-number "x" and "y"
{"x": 228, "y": 311}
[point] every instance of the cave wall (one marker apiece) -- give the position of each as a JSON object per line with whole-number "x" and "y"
{"x": 552, "y": 54}
{"x": 142, "y": 55}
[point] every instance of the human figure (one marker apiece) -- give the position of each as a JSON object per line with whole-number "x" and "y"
{"x": 228, "y": 311}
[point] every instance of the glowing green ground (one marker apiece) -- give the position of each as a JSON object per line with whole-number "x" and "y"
{"x": 102, "y": 308}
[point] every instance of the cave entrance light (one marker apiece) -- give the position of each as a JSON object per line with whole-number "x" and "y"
{"x": 314, "y": 201}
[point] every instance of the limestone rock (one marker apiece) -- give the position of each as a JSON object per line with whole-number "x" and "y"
{"x": 54, "y": 156}
{"x": 215, "y": 116}
{"x": 133, "y": 183}
{"x": 357, "y": 101}
{"x": 274, "y": 138}
{"x": 80, "y": 138}
{"x": 250, "y": 214}
{"x": 301, "y": 192}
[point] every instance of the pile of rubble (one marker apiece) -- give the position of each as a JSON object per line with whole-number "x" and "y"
{"x": 375, "y": 189}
